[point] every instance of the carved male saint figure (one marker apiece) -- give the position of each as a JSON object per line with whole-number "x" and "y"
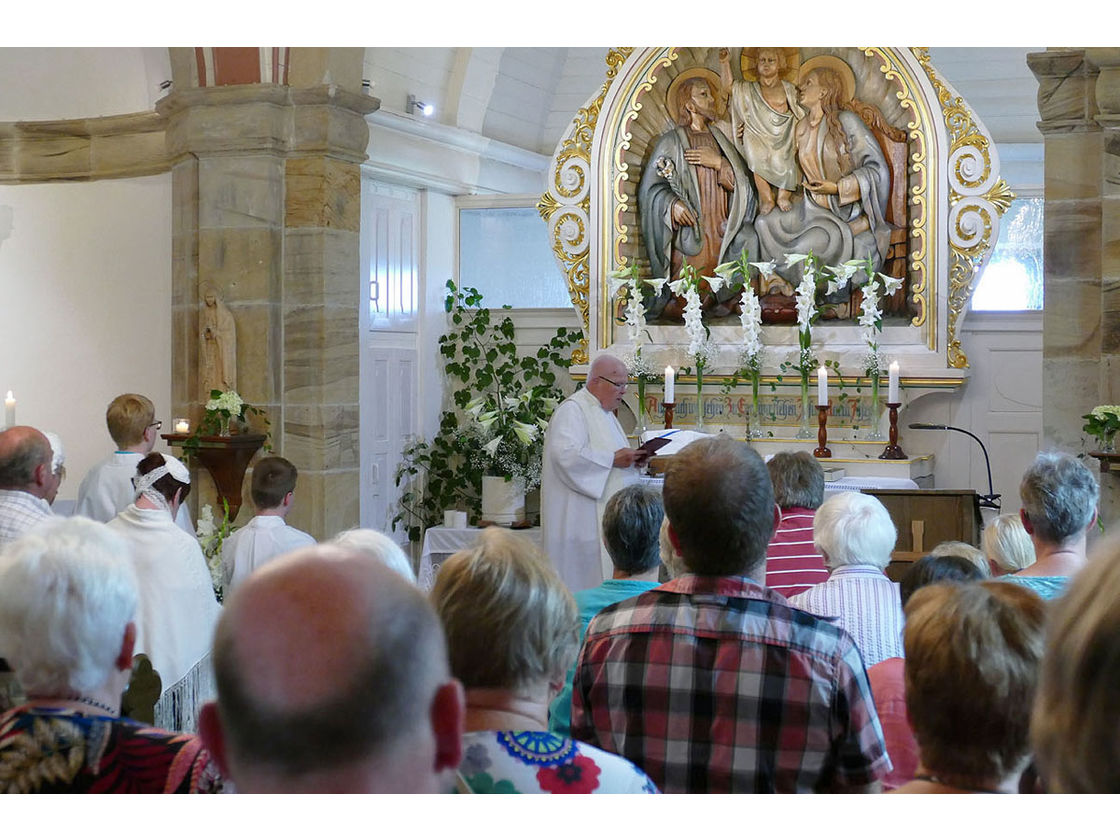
{"x": 696, "y": 198}
{"x": 217, "y": 346}
{"x": 764, "y": 114}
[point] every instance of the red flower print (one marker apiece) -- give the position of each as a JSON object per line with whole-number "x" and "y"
{"x": 580, "y": 775}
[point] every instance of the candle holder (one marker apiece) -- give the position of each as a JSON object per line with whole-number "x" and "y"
{"x": 822, "y": 450}
{"x": 668, "y": 414}
{"x": 893, "y": 452}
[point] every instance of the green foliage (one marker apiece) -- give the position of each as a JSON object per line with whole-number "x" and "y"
{"x": 500, "y": 405}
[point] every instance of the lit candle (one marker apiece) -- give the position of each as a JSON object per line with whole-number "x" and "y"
{"x": 9, "y": 410}
{"x": 822, "y": 385}
{"x": 182, "y": 426}
{"x": 892, "y": 384}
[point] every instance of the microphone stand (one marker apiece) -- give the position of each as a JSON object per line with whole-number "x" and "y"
{"x": 992, "y": 500}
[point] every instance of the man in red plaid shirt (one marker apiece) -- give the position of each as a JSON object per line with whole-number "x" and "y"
{"x": 713, "y": 683}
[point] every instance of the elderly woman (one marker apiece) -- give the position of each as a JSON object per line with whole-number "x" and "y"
{"x": 178, "y": 612}
{"x": 1006, "y": 545}
{"x": 511, "y": 630}
{"x": 1074, "y": 732}
{"x": 378, "y": 546}
{"x": 855, "y": 535}
{"x": 68, "y": 599}
{"x": 972, "y": 662}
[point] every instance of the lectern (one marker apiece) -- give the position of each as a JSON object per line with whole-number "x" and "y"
{"x": 925, "y": 518}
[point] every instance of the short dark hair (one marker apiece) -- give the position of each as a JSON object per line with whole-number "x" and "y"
{"x": 166, "y": 485}
{"x": 720, "y": 506}
{"x": 949, "y": 568}
{"x": 376, "y": 705}
{"x": 797, "y": 478}
{"x": 631, "y": 526}
{"x": 273, "y": 479}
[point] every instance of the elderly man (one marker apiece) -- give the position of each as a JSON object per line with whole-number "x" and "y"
{"x": 357, "y": 698}
{"x": 1060, "y": 496}
{"x": 28, "y": 482}
{"x": 586, "y": 461}
{"x": 107, "y": 488}
{"x": 793, "y": 563}
{"x": 631, "y": 530}
{"x": 711, "y": 682}
{"x": 855, "y": 534}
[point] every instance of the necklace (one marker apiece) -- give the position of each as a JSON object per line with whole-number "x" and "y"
{"x": 922, "y": 777}
{"x": 88, "y": 701}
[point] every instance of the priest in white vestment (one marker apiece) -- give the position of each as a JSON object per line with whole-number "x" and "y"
{"x": 587, "y": 459}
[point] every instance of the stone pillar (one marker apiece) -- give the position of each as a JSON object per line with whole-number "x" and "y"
{"x": 1079, "y": 106}
{"x": 266, "y": 192}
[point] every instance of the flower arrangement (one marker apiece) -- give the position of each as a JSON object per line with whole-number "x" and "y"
{"x": 211, "y": 535}
{"x": 751, "y": 351}
{"x": 639, "y": 365}
{"x": 1103, "y": 422}
{"x": 701, "y": 350}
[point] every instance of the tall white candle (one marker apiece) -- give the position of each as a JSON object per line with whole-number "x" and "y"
{"x": 892, "y": 384}
{"x": 822, "y": 385}
{"x": 9, "y": 410}
{"x": 670, "y": 384}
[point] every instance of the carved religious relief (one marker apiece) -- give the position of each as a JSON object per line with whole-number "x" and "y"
{"x": 217, "y": 345}
{"x": 795, "y": 151}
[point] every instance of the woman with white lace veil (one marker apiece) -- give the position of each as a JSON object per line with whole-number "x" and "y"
{"x": 177, "y": 613}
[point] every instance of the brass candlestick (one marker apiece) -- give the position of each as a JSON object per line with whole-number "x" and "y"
{"x": 893, "y": 452}
{"x": 668, "y": 414}
{"x": 822, "y": 450}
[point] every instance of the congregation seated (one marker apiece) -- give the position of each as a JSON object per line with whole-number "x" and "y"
{"x": 68, "y": 603}
{"x": 855, "y": 534}
{"x": 793, "y": 563}
{"x": 356, "y": 698}
{"x": 1007, "y": 545}
{"x": 177, "y": 612}
{"x": 28, "y": 482}
{"x": 380, "y": 546}
{"x": 512, "y": 630}
{"x": 106, "y": 489}
{"x": 972, "y": 662}
{"x": 267, "y": 535}
{"x": 1060, "y": 496}
{"x": 631, "y": 526}
{"x": 697, "y": 658}
{"x": 957, "y": 548}
{"x": 887, "y": 678}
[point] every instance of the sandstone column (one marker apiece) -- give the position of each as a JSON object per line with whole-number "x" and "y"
{"x": 266, "y": 192}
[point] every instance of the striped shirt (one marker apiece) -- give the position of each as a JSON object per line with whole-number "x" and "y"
{"x": 793, "y": 564}
{"x": 862, "y": 600}
{"x": 717, "y": 685}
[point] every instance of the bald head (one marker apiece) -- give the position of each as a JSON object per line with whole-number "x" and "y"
{"x": 25, "y": 460}
{"x": 606, "y": 380}
{"x": 329, "y": 667}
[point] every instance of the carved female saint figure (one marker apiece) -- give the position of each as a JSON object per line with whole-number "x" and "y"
{"x": 217, "y": 346}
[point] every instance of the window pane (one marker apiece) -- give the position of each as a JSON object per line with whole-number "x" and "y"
{"x": 504, "y": 252}
{"x": 1013, "y": 277}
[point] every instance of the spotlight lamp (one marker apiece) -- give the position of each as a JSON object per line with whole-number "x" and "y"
{"x": 415, "y": 105}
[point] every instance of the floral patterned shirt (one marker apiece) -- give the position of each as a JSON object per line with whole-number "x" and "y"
{"x": 544, "y": 762}
{"x": 50, "y": 749}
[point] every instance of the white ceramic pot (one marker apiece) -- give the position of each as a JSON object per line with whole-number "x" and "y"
{"x": 503, "y": 500}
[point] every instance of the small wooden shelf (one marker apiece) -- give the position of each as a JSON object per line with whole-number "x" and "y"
{"x": 226, "y": 457}
{"x": 1110, "y": 461}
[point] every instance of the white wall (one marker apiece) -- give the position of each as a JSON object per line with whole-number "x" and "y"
{"x": 85, "y": 306}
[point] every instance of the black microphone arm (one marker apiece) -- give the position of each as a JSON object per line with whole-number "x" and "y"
{"x": 992, "y": 500}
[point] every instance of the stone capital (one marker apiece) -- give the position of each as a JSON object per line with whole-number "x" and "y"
{"x": 1066, "y": 91}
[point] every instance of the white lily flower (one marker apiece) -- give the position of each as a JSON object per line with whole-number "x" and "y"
{"x": 767, "y": 267}
{"x": 868, "y": 318}
{"x": 716, "y": 283}
{"x": 474, "y": 407}
{"x": 678, "y": 287}
{"x": 726, "y": 270}
{"x": 525, "y": 433}
{"x": 487, "y": 420}
{"x": 794, "y": 259}
{"x": 492, "y": 447}
{"x": 891, "y": 284}
{"x": 616, "y": 280}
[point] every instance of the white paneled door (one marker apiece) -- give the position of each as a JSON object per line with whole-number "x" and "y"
{"x": 391, "y": 279}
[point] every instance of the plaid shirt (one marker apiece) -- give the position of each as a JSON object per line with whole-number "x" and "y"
{"x": 19, "y": 512}
{"x": 718, "y": 685}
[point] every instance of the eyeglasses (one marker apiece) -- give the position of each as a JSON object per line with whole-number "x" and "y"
{"x": 158, "y": 424}
{"x": 615, "y": 384}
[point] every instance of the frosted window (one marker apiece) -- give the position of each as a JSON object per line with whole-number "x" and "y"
{"x": 504, "y": 252}
{"x": 1013, "y": 278}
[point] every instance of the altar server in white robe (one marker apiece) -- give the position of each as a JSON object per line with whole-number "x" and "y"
{"x": 178, "y": 611}
{"x": 587, "y": 459}
{"x": 107, "y": 488}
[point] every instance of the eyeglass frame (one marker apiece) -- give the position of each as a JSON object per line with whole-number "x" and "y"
{"x": 612, "y": 382}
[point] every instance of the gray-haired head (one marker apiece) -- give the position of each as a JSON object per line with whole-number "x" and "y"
{"x": 854, "y": 528}
{"x": 631, "y": 521}
{"x": 798, "y": 480}
{"x": 1060, "y": 496}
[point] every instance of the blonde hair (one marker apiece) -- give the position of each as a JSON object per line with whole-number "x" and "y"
{"x": 127, "y": 417}
{"x": 1073, "y": 729}
{"x": 956, "y": 548}
{"x": 510, "y": 621}
{"x": 1007, "y": 544}
{"x": 670, "y": 559}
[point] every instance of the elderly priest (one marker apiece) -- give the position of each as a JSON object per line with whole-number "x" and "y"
{"x": 586, "y": 460}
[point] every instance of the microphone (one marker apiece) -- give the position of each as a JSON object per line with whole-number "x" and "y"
{"x": 992, "y": 500}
